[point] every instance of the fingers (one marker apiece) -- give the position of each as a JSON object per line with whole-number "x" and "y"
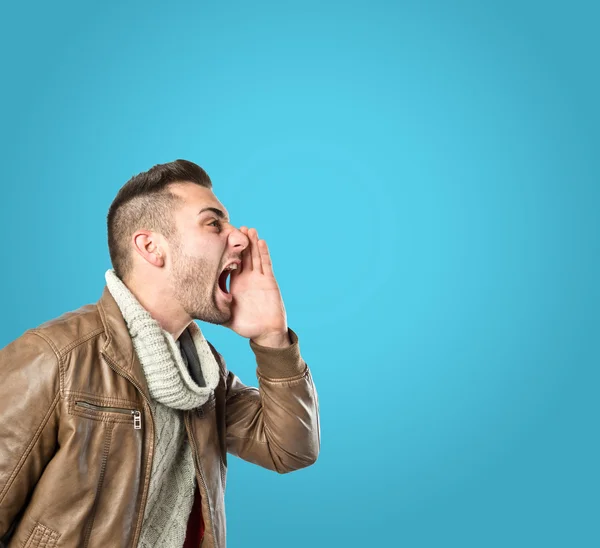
{"x": 256, "y": 263}
{"x": 246, "y": 255}
{"x": 265, "y": 258}
{"x": 256, "y": 256}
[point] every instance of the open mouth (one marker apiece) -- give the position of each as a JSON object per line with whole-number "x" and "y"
{"x": 224, "y": 277}
{"x": 224, "y": 280}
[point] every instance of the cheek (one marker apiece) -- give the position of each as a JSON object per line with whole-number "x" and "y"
{"x": 207, "y": 245}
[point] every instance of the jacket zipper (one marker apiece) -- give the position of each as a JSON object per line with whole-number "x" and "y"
{"x": 137, "y": 416}
{"x": 117, "y": 370}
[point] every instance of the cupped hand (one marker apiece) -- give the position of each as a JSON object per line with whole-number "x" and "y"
{"x": 258, "y": 311}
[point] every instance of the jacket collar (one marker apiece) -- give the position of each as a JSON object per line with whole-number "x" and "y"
{"x": 167, "y": 374}
{"x": 119, "y": 348}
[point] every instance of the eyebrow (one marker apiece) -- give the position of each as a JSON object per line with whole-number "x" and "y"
{"x": 216, "y": 211}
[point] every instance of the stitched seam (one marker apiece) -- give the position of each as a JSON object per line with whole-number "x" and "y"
{"x": 99, "y": 414}
{"x": 41, "y": 536}
{"x": 102, "y": 313}
{"x": 84, "y": 338}
{"x": 132, "y": 361}
{"x": 109, "y": 337}
{"x": 28, "y": 540}
{"x": 29, "y": 447}
{"x": 58, "y": 357}
{"x": 102, "y": 417}
{"x": 107, "y": 441}
{"x": 297, "y": 377}
{"x": 71, "y": 394}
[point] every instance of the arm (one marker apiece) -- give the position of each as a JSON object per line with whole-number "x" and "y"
{"x": 277, "y": 425}
{"x": 29, "y": 396}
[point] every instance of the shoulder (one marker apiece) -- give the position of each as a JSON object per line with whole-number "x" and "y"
{"x": 48, "y": 350}
{"x": 70, "y": 330}
{"x": 42, "y": 354}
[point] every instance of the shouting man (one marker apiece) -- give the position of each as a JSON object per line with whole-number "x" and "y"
{"x": 116, "y": 418}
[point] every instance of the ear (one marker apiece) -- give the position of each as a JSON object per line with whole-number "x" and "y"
{"x": 145, "y": 243}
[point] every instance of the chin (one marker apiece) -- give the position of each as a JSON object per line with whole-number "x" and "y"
{"x": 216, "y": 314}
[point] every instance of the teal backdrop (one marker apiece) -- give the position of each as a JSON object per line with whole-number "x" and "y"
{"x": 427, "y": 177}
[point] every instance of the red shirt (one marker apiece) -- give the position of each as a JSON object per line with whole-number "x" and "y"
{"x": 195, "y": 525}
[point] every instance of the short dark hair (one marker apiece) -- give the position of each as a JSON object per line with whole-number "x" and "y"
{"x": 146, "y": 202}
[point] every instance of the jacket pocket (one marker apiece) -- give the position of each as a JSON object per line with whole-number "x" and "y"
{"x": 113, "y": 414}
{"x": 42, "y": 537}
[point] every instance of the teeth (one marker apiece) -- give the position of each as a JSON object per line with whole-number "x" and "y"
{"x": 232, "y": 267}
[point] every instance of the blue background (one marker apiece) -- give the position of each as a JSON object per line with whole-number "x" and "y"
{"x": 427, "y": 177}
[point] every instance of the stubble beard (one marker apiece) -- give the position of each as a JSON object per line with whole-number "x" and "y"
{"x": 193, "y": 285}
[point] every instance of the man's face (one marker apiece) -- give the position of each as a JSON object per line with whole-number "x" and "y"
{"x": 204, "y": 245}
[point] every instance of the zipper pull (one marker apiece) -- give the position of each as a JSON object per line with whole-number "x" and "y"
{"x": 137, "y": 420}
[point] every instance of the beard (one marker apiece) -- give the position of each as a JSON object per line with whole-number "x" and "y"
{"x": 194, "y": 285}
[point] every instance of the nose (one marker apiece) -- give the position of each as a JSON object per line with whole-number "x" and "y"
{"x": 238, "y": 239}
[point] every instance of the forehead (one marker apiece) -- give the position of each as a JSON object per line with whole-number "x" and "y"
{"x": 195, "y": 198}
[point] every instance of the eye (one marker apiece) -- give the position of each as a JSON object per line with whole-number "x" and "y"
{"x": 218, "y": 223}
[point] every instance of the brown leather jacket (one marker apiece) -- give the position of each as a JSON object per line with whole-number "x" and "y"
{"x": 77, "y": 435}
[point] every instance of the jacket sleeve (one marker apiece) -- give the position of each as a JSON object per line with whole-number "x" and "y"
{"x": 29, "y": 396}
{"x": 277, "y": 425}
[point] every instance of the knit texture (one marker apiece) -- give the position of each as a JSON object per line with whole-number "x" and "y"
{"x": 169, "y": 381}
{"x": 172, "y": 484}
{"x": 172, "y": 390}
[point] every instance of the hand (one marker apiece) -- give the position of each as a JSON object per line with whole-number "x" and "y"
{"x": 258, "y": 312}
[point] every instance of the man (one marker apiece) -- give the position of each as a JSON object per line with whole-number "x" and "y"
{"x": 116, "y": 418}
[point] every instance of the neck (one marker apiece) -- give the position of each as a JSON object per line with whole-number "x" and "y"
{"x": 169, "y": 380}
{"x": 161, "y": 305}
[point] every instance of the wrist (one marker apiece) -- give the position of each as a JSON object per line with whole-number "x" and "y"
{"x": 273, "y": 340}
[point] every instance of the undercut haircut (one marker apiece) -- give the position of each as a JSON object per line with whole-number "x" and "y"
{"x": 145, "y": 202}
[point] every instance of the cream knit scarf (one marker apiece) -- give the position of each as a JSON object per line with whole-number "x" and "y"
{"x": 172, "y": 389}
